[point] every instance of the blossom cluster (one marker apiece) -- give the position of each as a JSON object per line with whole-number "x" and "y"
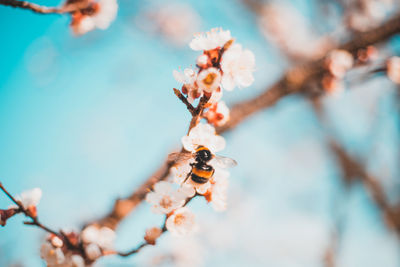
{"x": 362, "y": 15}
{"x": 56, "y": 254}
{"x": 96, "y": 15}
{"x": 94, "y": 241}
{"x": 223, "y": 65}
{"x": 277, "y": 19}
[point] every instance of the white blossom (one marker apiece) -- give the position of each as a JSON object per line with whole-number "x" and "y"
{"x": 180, "y": 172}
{"x": 238, "y": 67}
{"x": 393, "y": 69}
{"x": 210, "y": 40}
{"x": 338, "y": 62}
{"x": 53, "y": 256}
{"x": 77, "y": 261}
{"x": 200, "y": 188}
{"x": 104, "y": 237}
{"x": 181, "y": 222}
{"x": 209, "y": 80}
{"x": 105, "y": 12}
{"x": 217, "y": 114}
{"x": 202, "y": 60}
{"x": 176, "y": 22}
{"x": 30, "y": 198}
{"x": 92, "y": 251}
{"x": 219, "y": 190}
{"x": 51, "y": 251}
{"x": 188, "y": 78}
{"x": 164, "y": 198}
{"x": 215, "y": 97}
{"x": 57, "y": 242}
{"x": 282, "y": 24}
{"x": 368, "y": 14}
{"x": 203, "y": 135}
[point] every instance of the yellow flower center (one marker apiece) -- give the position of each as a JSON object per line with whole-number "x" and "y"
{"x": 209, "y": 79}
{"x": 179, "y": 219}
{"x": 166, "y": 202}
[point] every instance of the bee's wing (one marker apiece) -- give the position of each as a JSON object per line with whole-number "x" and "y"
{"x": 179, "y": 157}
{"x": 224, "y": 162}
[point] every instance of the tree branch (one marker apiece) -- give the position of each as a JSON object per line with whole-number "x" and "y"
{"x": 353, "y": 170}
{"x": 184, "y": 100}
{"x": 22, "y": 209}
{"x": 45, "y": 10}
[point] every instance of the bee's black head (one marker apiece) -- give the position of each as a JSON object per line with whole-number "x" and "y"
{"x": 203, "y": 154}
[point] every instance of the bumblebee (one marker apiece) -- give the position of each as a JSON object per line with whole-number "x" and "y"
{"x": 202, "y": 170}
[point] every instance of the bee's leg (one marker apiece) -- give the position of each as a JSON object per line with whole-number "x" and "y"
{"x": 187, "y": 177}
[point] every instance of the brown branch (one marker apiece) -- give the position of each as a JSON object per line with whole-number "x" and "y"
{"x": 163, "y": 230}
{"x": 297, "y": 79}
{"x": 184, "y": 100}
{"x": 45, "y": 10}
{"x": 301, "y": 77}
{"x": 353, "y": 170}
{"x": 143, "y": 244}
{"x": 21, "y": 208}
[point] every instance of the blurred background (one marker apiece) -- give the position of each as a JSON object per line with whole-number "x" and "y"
{"x": 87, "y": 119}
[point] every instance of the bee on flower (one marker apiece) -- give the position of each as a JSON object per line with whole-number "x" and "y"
{"x": 200, "y": 146}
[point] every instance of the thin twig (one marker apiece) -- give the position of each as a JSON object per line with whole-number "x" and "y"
{"x": 34, "y": 219}
{"x": 198, "y": 112}
{"x": 184, "y": 100}
{"x": 45, "y": 10}
{"x": 163, "y": 230}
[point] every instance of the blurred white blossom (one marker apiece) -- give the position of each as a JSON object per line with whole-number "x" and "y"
{"x": 104, "y": 237}
{"x": 393, "y": 69}
{"x": 283, "y": 24}
{"x": 92, "y": 251}
{"x": 238, "y": 66}
{"x": 104, "y": 12}
{"x": 338, "y": 62}
{"x": 51, "y": 251}
{"x": 30, "y": 198}
{"x": 181, "y": 222}
{"x": 210, "y": 40}
{"x": 217, "y": 114}
{"x": 164, "y": 198}
{"x": 203, "y": 135}
{"x": 218, "y": 190}
{"x": 175, "y": 22}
